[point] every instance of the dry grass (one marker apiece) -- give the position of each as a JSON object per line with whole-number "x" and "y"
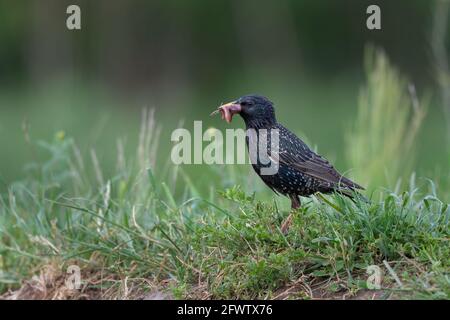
{"x": 50, "y": 283}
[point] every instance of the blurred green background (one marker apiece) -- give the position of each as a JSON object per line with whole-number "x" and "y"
{"x": 183, "y": 58}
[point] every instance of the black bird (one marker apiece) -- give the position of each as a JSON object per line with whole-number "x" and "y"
{"x": 301, "y": 172}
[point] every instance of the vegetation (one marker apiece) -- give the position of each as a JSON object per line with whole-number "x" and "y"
{"x": 131, "y": 237}
{"x": 389, "y": 118}
{"x": 138, "y": 227}
{"x": 135, "y": 234}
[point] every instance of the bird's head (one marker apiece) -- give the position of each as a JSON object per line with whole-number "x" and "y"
{"x": 254, "y": 109}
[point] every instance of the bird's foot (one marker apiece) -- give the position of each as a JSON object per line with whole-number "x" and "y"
{"x": 286, "y": 224}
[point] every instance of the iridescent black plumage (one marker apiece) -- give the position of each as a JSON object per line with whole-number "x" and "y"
{"x": 301, "y": 172}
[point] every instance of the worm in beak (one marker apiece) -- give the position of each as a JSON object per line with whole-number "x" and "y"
{"x": 228, "y": 110}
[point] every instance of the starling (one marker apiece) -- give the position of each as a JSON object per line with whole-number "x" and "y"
{"x": 301, "y": 171}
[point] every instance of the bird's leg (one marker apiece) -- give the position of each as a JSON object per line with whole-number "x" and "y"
{"x": 295, "y": 204}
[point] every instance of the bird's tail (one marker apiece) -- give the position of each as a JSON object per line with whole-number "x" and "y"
{"x": 353, "y": 195}
{"x": 347, "y": 183}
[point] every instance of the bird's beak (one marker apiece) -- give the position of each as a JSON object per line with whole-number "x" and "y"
{"x": 228, "y": 110}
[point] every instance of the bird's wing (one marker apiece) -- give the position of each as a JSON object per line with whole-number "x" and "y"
{"x": 297, "y": 155}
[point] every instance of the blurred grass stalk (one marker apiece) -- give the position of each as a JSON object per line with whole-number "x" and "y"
{"x": 381, "y": 142}
{"x": 438, "y": 36}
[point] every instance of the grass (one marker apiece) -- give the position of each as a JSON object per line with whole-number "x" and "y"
{"x": 438, "y": 47}
{"x": 390, "y": 116}
{"x": 134, "y": 235}
{"x": 328, "y": 250}
{"x": 148, "y": 229}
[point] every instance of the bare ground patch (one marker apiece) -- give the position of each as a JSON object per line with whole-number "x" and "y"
{"x": 51, "y": 284}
